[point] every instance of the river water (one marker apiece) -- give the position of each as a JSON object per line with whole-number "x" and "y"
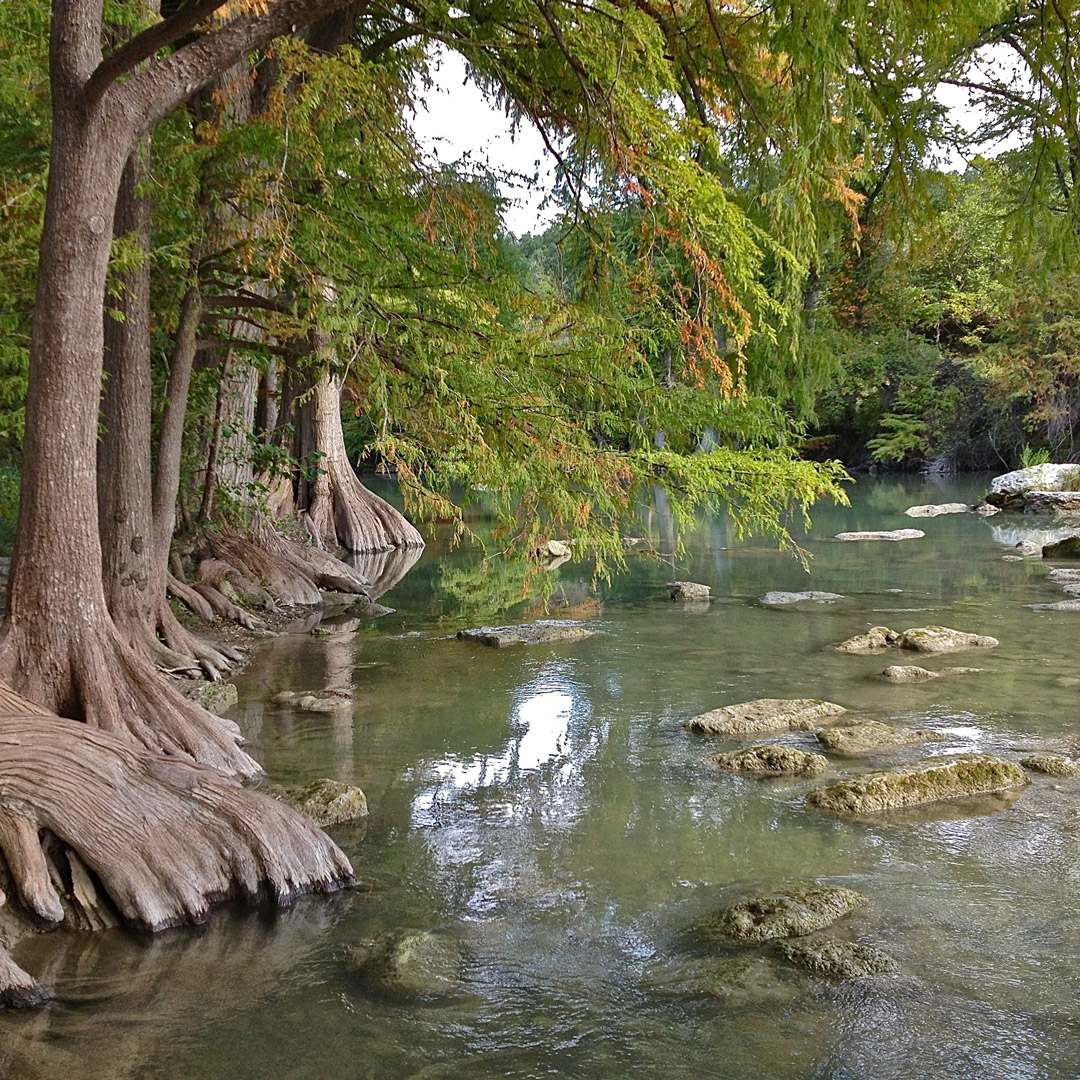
{"x": 545, "y": 808}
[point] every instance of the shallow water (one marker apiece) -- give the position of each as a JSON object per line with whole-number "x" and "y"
{"x": 545, "y": 807}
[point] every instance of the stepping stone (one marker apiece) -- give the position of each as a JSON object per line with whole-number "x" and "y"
{"x": 765, "y": 714}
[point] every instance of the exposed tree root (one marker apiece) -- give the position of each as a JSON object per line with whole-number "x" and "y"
{"x": 98, "y": 678}
{"x": 18, "y": 990}
{"x": 162, "y": 838}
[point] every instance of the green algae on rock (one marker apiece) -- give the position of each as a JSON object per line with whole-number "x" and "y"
{"x": 842, "y": 959}
{"x": 869, "y": 735}
{"x": 789, "y": 912}
{"x": 412, "y": 963}
{"x": 876, "y": 639}
{"x": 943, "y": 639}
{"x": 326, "y": 802}
{"x": 1051, "y": 764}
{"x": 545, "y": 632}
{"x": 764, "y": 714}
{"x": 920, "y": 782}
{"x": 773, "y": 761}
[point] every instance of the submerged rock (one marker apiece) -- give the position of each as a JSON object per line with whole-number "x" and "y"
{"x": 869, "y": 735}
{"x": 937, "y": 509}
{"x": 688, "y": 590}
{"x": 413, "y": 963}
{"x": 772, "y": 761}
{"x": 1026, "y": 549}
{"x": 746, "y": 979}
{"x": 765, "y": 714}
{"x": 943, "y": 639}
{"x": 1009, "y": 490}
{"x": 1051, "y": 764}
{"x": 843, "y": 959}
{"x": 908, "y": 673}
{"x": 877, "y": 639}
{"x": 1060, "y": 605}
{"x": 923, "y": 781}
{"x": 316, "y": 701}
{"x": 884, "y": 534}
{"x": 326, "y": 802}
{"x": 776, "y": 599}
{"x": 789, "y": 912}
{"x": 547, "y": 632}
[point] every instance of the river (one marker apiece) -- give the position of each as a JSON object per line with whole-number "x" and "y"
{"x": 545, "y": 808}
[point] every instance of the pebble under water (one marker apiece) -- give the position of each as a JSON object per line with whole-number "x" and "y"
{"x": 542, "y": 808}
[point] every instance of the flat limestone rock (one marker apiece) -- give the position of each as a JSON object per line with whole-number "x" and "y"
{"x": 1065, "y": 575}
{"x": 1007, "y": 491}
{"x": 937, "y": 509}
{"x": 688, "y": 590}
{"x": 908, "y": 673}
{"x": 932, "y": 640}
{"x": 316, "y": 701}
{"x": 410, "y": 963}
{"x": 765, "y": 714}
{"x": 772, "y": 761}
{"x": 790, "y": 912}
{"x": 875, "y": 640}
{"x": 870, "y": 735}
{"x": 1051, "y": 764}
{"x": 777, "y": 599}
{"x": 1061, "y": 605}
{"x": 842, "y": 959}
{"x": 326, "y": 802}
{"x": 883, "y": 534}
{"x": 923, "y": 781}
{"x": 548, "y": 632}
{"x": 1057, "y": 503}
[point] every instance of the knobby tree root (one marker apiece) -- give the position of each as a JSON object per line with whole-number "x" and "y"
{"x": 163, "y": 838}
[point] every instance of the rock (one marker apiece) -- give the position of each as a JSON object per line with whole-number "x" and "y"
{"x": 1061, "y": 605}
{"x": 315, "y": 701}
{"x": 1051, "y": 764}
{"x": 772, "y": 761}
{"x": 360, "y": 607}
{"x": 877, "y": 639}
{"x": 941, "y": 639}
{"x": 1064, "y": 576}
{"x": 1026, "y": 548}
{"x": 778, "y": 598}
{"x": 556, "y": 549}
{"x": 1055, "y": 503}
{"x": 908, "y": 673}
{"x": 887, "y": 534}
{"x": 546, "y": 632}
{"x": 1068, "y": 548}
{"x": 985, "y": 509}
{"x": 215, "y": 697}
{"x": 635, "y": 543}
{"x": 937, "y": 509}
{"x": 843, "y": 959}
{"x": 1012, "y": 558}
{"x": 923, "y": 781}
{"x": 410, "y": 963}
{"x": 1008, "y": 491}
{"x": 870, "y": 735}
{"x": 765, "y": 714}
{"x": 790, "y": 912}
{"x": 745, "y": 980}
{"x": 326, "y": 802}
{"x": 688, "y": 590}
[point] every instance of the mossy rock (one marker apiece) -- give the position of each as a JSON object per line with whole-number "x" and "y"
{"x": 772, "y": 761}
{"x": 316, "y": 701}
{"x": 841, "y": 959}
{"x": 1051, "y": 764}
{"x": 790, "y": 912}
{"x": 215, "y": 697}
{"x": 409, "y": 963}
{"x": 326, "y": 802}
{"x": 870, "y": 735}
{"x": 875, "y": 640}
{"x": 924, "y": 781}
{"x": 943, "y": 639}
{"x": 908, "y": 673}
{"x": 765, "y": 714}
{"x": 545, "y": 632}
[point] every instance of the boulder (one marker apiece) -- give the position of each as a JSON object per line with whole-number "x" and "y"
{"x": 635, "y": 543}
{"x": 931, "y": 640}
{"x": 870, "y": 735}
{"x": 1051, "y": 764}
{"x": 1067, "y": 548}
{"x": 326, "y": 802}
{"x": 772, "y": 761}
{"x": 215, "y": 697}
{"x": 777, "y": 599}
{"x": 921, "y": 782}
{"x": 937, "y": 509}
{"x": 1009, "y": 490}
{"x": 789, "y": 912}
{"x": 1027, "y": 548}
{"x": 556, "y": 549}
{"x": 688, "y": 590}
{"x": 875, "y": 640}
{"x": 765, "y": 714}
{"x": 409, "y": 963}
{"x": 1055, "y": 503}
{"x": 316, "y": 701}
{"x": 546, "y": 632}
{"x": 908, "y": 673}
{"x": 1064, "y": 576}
{"x": 886, "y": 534}
{"x": 842, "y": 959}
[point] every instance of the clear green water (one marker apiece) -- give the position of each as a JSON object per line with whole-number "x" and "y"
{"x": 545, "y": 807}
